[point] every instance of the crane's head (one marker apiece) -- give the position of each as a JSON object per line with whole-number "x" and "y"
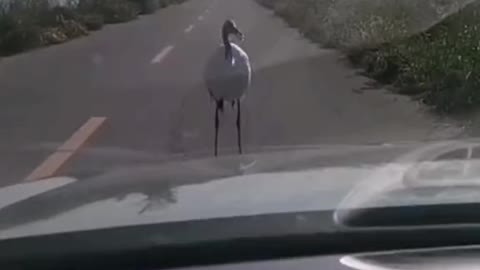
{"x": 230, "y": 28}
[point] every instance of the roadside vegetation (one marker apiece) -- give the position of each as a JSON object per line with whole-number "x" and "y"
{"x": 28, "y": 24}
{"x": 429, "y": 49}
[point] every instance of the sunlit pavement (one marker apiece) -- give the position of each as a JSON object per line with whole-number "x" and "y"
{"x": 145, "y": 79}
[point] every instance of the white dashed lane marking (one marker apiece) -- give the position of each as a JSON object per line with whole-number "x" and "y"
{"x": 162, "y": 54}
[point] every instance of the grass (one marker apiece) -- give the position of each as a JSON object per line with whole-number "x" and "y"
{"x": 344, "y": 23}
{"x": 28, "y": 24}
{"x": 429, "y": 49}
{"x": 112, "y": 11}
{"x": 440, "y": 65}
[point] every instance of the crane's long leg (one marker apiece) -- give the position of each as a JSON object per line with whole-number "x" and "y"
{"x": 239, "y": 127}
{"x": 216, "y": 128}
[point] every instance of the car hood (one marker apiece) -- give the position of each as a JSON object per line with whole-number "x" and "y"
{"x": 297, "y": 180}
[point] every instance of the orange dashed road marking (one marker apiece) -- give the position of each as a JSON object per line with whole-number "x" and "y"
{"x": 56, "y": 161}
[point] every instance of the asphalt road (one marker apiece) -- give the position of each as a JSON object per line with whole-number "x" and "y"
{"x": 145, "y": 77}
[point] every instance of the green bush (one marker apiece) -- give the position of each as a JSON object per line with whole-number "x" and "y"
{"x": 442, "y": 63}
{"x": 166, "y": 3}
{"x": 7, "y": 24}
{"x": 147, "y": 6}
{"x": 18, "y": 29}
{"x": 150, "y": 6}
{"x": 21, "y": 38}
{"x": 113, "y": 11}
{"x": 26, "y": 24}
{"x": 73, "y": 29}
{"x": 92, "y": 22}
{"x": 53, "y": 35}
{"x": 347, "y": 23}
{"x": 52, "y": 17}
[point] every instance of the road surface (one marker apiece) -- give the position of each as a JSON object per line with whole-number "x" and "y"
{"x": 145, "y": 78}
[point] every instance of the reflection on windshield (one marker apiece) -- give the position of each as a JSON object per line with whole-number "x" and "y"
{"x": 434, "y": 175}
{"x": 149, "y": 103}
{"x": 153, "y": 199}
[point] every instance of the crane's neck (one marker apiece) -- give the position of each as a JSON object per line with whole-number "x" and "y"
{"x": 227, "y": 44}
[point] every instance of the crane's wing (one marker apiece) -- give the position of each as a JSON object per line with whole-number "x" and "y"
{"x": 228, "y": 79}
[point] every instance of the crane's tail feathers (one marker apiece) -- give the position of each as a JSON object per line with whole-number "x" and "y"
{"x": 220, "y": 105}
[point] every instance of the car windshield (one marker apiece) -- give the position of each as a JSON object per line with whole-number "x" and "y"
{"x": 118, "y": 113}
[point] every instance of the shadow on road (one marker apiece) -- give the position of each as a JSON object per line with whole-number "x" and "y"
{"x": 156, "y": 182}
